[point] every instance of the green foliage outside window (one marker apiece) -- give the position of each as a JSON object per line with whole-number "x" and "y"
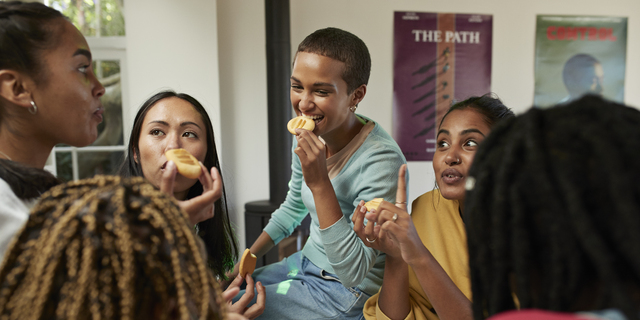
{"x": 83, "y": 14}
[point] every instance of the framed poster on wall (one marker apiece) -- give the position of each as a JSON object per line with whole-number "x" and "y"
{"x": 438, "y": 58}
{"x": 576, "y": 55}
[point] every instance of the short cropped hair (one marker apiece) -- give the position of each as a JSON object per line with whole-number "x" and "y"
{"x": 345, "y": 47}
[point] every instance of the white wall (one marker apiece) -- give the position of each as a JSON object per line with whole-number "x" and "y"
{"x": 173, "y": 45}
{"x": 215, "y": 51}
{"x": 243, "y": 79}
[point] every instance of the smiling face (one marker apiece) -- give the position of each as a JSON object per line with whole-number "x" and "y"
{"x": 68, "y": 95}
{"x": 171, "y": 123}
{"x": 457, "y": 142}
{"x": 319, "y": 92}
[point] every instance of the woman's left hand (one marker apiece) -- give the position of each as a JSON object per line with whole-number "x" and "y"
{"x": 401, "y": 231}
{"x": 370, "y": 234}
{"x": 199, "y": 208}
{"x": 313, "y": 158}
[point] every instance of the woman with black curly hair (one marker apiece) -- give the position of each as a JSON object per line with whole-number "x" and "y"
{"x": 553, "y": 217}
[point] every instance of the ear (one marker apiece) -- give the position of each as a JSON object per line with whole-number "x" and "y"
{"x": 135, "y": 156}
{"x": 16, "y": 88}
{"x": 358, "y": 94}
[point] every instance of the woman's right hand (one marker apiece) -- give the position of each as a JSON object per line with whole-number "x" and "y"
{"x": 240, "y": 306}
{"x": 369, "y": 234}
{"x": 199, "y": 208}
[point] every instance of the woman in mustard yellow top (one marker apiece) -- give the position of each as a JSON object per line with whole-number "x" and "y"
{"x": 426, "y": 274}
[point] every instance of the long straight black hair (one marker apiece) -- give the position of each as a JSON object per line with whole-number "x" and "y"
{"x": 216, "y": 232}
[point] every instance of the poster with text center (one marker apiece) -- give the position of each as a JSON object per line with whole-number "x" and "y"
{"x": 438, "y": 59}
{"x": 578, "y": 55}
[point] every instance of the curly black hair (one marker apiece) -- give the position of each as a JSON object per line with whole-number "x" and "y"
{"x": 554, "y": 215}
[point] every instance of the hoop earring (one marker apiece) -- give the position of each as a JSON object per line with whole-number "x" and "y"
{"x": 353, "y": 108}
{"x": 34, "y": 108}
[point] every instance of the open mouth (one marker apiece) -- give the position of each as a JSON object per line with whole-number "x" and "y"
{"x": 98, "y": 113}
{"x": 316, "y": 118}
{"x": 451, "y": 176}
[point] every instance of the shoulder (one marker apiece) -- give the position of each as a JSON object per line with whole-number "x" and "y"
{"x": 432, "y": 203}
{"x": 10, "y": 204}
{"x": 380, "y": 143}
{"x": 26, "y": 182}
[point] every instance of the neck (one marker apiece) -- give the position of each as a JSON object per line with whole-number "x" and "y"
{"x": 182, "y": 195}
{"x": 29, "y": 152}
{"x": 339, "y": 138}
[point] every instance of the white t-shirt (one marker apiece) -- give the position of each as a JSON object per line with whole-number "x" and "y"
{"x": 14, "y": 212}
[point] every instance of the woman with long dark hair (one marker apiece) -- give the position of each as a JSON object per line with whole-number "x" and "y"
{"x": 170, "y": 120}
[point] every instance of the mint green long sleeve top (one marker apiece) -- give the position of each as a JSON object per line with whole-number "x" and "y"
{"x": 371, "y": 172}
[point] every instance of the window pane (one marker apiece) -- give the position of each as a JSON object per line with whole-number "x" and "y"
{"x": 110, "y": 130}
{"x": 94, "y": 18}
{"x": 104, "y": 162}
{"x": 112, "y": 19}
{"x": 63, "y": 166}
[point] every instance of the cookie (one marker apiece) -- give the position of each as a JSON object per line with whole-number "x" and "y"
{"x": 373, "y": 204}
{"x": 302, "y": 123}
{"x": 186, "y": 163}
{"x": 247, "y": 263}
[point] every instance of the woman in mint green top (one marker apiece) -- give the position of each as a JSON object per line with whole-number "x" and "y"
{"x": 345, "y": 159}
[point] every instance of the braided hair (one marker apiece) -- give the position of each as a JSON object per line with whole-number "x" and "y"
{"x": 554, "y": 213}
{"x": 107, "y": 248}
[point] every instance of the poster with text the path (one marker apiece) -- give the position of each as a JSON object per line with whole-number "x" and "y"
{"x": 577, "y": 55}
{"x": 438, "y": 59}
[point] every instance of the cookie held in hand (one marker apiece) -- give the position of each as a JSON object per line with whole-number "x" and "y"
{"x": 186, "y": 163}
{"x": 247, "y": 263}
{"x": 300, "y": 122}
{"x": 373, "y": 204}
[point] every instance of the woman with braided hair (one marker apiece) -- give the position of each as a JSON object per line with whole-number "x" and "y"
{"x": 108, "y": 248}
{"x": 553, "y": 217}
{"x": 426, "y": 271}
{"x": 48, "y": 95}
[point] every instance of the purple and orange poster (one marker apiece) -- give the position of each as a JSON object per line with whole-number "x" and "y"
{"x": 439, "y": 58}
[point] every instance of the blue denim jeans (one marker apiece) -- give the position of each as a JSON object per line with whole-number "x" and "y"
{"x": 298, "y": 289}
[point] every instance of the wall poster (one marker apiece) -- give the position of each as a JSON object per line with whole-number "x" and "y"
{"x": 576, "y": 55}
{"x": 438, "y": 58}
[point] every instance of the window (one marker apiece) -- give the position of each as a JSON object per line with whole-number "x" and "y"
{"x": 102, "y": 23}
